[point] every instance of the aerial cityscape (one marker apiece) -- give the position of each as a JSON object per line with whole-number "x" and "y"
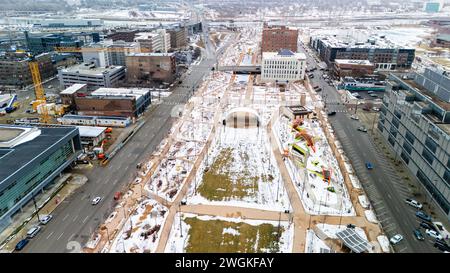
{"x": 192, "y": 126}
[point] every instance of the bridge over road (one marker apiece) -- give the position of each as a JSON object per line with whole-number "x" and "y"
{"x": 242, "y": 69}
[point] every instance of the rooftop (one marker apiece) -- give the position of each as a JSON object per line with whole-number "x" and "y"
{"x": 90, "y": 131}
{"x": 435, "y": 99}
{"x": 120, "y": 92}
{"x": 29, "y": 147}
{"x": 145, "y": 35}
{"x": 347, "y": 61}
{"x": 73, "y": 89}
{"x": 152, "y": 54}
{"x": 283, "y": 54}
{"x": 445, "y": 37}
{"x": 349, "y": 41}
{"x": 91, "y": 69}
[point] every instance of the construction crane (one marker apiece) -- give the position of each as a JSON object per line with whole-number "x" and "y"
{"x": 38, "y": 91}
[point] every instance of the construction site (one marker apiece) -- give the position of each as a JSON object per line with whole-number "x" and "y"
{"x": 254, "y": 165}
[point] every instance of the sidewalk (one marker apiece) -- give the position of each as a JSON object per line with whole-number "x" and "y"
{"x": 67, "y": 184}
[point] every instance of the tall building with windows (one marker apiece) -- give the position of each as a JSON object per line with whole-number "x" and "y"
{"x": 283, "y": 66}
{"x": 415, "y": 120}
{"x": 30, "y": 160}
{"x": 155, "y": 41}
{"x": 383, "y": 53}
{"x": 92, "y": 75}
{"x": 276, "y": 38}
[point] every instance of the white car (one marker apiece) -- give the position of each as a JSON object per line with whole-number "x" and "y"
{"x": 44, "y": 220}
{"x": 33, "y": 231}
{"x": 413, "y": 203}
{"x": 396, "y": 239}
{"x": 433, "y": 234}
{"x": 96, "y": 200}
{"x": 354, "y": 117}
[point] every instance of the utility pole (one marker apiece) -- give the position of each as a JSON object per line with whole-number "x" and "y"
{"x": 36, "y": 208}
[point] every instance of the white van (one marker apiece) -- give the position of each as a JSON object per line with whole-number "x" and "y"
{"x": 33, "y": 231}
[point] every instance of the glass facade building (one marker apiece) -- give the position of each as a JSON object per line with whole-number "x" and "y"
{"x": 415, "y": 119}
{"x": 26, "y": 168}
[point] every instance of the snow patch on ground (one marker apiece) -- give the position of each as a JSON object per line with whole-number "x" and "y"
{"x": 384, "y": 243}
{"x": 363, "y": 201}
{"x": 314, "y": 244}
{"x": 370, "y": 215}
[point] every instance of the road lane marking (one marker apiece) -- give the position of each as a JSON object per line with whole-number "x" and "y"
{"x": 75, "y": 218}
{"x": 389, "y": 196}
{"x": 59, "y": 237}
{"x": 50, "y": 235}
{"x": 65, "y": 217}
{"x": 71, "y": 237}
{"x": 85, "y": 219}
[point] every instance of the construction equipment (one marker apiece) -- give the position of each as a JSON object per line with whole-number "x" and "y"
{"x": 40, "y": 102}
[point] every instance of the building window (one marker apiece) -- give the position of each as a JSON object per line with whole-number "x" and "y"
{"x": 395, "y": 122}
{"x": 407, "y": 147}
{"x": 391, "y": 140}
{"x": 398, "y": 114}
{"x": 431, "y": 144}
{"x": 428, "y": 156}
{"x": 447, "y": 177}
{"x": 410, "y": 137}
{"x": 405, "y": 157}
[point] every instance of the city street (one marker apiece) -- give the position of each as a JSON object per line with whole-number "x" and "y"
{"x": 384, "y": 189}
{"x": 75, "y": 220}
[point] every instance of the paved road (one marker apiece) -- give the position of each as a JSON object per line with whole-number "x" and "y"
{"x": 76, "y": 219}
{"x": 382, "y": 185}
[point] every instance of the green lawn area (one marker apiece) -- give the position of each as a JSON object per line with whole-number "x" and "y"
{"x": 206, "y": 236}
{"x": 229, "y": 177}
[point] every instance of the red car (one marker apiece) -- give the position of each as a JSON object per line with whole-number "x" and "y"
{"x": 117, "y": 195}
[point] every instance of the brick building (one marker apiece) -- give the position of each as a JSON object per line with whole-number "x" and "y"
{"x": 353, "y": 68}
{"x": 15, "y": 70}
{"x": 276, "y": 38}
{"x": 151, "y": 67}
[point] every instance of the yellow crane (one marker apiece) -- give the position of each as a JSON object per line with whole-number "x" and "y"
{"x": 38, "y": 90}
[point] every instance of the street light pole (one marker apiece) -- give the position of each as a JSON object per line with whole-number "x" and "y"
{"x": 36, "y": 209}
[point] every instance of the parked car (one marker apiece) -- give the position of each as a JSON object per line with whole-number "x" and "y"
{"x": 413, "y": 203}
{"x": 332, "y": 113}
{"x": 422, "y": 215}
{"x": 33, "y": 231}
{"x": 418, "y": 235}
{"x": 96, "y": 200}
{"x": 354, "y": 117}
{"x": 21, "y": 244}
{"x": 374, "y": 95}
{"x": 442, "y": 247}
{"x": 396, "y": 239}
{"x": 433, "y": 233}
{"x": 44, "y": 220}
{"x": 442, "y": 242}
{"x": 117, "y": 195}
{"x": 369, "y": 166}
{"x": 318, "y": 89}
{"x": 426, "y": 225}
{"x": 362, "y": 129}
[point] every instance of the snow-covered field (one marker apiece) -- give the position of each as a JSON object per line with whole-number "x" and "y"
{"x": 226, "y": 231}
{"x": 141, "y": 232}
{"x": 250, "y": 175}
